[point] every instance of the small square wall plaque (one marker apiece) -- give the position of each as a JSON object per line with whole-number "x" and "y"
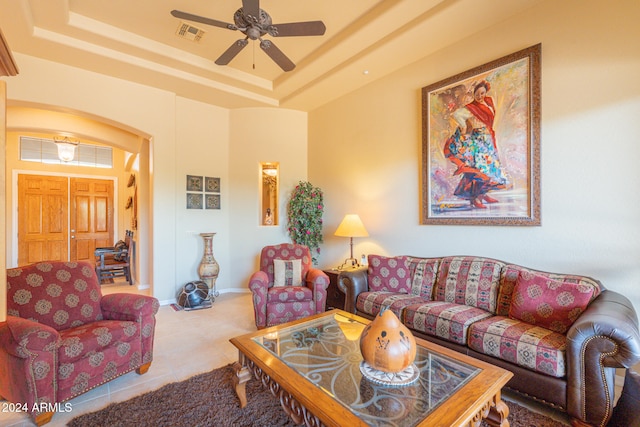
{"x": 211, "y": 185}
{"x": 194, "y": 183}
{"x": 212, "y": 201}
{"x": 194, "y": 201}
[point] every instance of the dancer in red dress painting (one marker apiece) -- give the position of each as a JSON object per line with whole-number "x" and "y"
{"x": 472, "y": 148}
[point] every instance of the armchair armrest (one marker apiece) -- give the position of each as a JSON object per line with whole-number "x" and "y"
{"x": 131, "y": 307}
{"x": 353, "y": 283}
{"x": 23, "y": 337}
{"x": 317, "y": 278}
{"x": 137, "y": 308}
{"x": 28, "y": 352}
{"x": 603, "y": 338}
{"x": 259, "y": 285}
{"x": 318, "y": 281}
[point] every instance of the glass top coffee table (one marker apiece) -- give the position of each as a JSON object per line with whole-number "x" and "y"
{"x": 313, "y": 366}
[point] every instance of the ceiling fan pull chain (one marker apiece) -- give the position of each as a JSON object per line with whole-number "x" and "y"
{"x": 254, "y": 54}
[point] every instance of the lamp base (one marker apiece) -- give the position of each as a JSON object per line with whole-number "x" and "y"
{"x": 349, "y": 263}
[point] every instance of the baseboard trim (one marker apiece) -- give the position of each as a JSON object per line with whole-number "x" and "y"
{"x": 221, "y": 291}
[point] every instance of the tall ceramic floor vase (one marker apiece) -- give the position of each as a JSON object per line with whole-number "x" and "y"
{"x": 209, "y": 269}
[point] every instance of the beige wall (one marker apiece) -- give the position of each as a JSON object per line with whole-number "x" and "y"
{"x": 363, "y": 150}
{"x": 261, "y": 135}
{"x": 186, "y": 137}
{"x": 371, "y": 141}
{"x": 3, "y": 198}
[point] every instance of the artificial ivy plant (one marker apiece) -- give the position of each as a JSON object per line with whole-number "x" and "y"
{"x": 304, "y": 217}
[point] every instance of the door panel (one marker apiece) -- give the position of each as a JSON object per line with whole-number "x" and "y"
{"x": 42, "y": 218}
{"x": 92, "y": 217}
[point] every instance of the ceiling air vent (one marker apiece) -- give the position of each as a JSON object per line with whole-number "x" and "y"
{"x": 189, "y": 32}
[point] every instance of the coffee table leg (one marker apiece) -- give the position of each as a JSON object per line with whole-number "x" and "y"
{"x": 240, "y": 380}
{"x": 498, "y": 413}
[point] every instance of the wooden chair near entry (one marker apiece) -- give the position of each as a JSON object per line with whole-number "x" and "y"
{"x": 114, "y": 261}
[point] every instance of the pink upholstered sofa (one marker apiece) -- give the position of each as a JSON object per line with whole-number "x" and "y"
{"x": 300, "y": 291}
{"x": 562, "y": 335}
{"x": 62, "y": 337}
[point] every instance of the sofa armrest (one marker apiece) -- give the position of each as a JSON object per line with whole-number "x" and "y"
{"x": 353, "y": 283}
{"x": 603, "y": 338}
{"x": 28, "y": 353}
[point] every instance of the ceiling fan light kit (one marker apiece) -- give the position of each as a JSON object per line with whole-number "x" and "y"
{"x": 255, "y": 23}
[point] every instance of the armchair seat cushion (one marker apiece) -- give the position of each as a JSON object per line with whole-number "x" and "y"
{"x": 289, "y": 294}
{"x": 92, "y": 338}
{"x": 282, "y": 312}
{"x": 521, "y": 343}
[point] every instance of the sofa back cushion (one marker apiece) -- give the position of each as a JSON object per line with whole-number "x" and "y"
{"x": 423, "y": 272}
{"x": 59, "y": 294}
{"x": 472, "y": 281}
{"x": 548, "y": 303}
{"x": 389, "y": 274}
{"x": 510, "y": 275}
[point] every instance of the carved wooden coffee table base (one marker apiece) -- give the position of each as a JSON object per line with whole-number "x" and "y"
{"x": 474, "y": 394}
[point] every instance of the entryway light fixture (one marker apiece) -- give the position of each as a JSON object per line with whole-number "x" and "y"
{"x": 351, "y": 226}
{"x": 66, "y": 148}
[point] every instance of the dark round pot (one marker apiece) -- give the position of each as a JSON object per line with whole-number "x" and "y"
{"x": 193, "y": 294}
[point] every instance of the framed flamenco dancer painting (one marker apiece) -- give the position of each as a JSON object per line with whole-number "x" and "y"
{"x": 481, "y": 144}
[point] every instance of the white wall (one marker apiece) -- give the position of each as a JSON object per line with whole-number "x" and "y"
{"x": 371, "y": 141}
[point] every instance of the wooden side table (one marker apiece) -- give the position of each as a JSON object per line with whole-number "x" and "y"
{"x": 335, "y": 295}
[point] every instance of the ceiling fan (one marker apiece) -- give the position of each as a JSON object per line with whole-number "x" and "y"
{"x": 255, "y": 23}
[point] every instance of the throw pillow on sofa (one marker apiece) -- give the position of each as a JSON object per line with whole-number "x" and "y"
{"x": 548, "y": 303}
{"x": 287, "y": 272}
{"x": 389, "y": 274}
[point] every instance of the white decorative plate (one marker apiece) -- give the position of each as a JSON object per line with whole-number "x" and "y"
{"x": 396, "y": 379}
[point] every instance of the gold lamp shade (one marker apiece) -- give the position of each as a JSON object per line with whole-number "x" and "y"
{"x": 351, "y": 226}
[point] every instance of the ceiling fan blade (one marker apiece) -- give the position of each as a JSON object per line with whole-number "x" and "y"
{"x": 309, "y": 28}
{"x": 277, "y": 55}
{"x": 202, "y": 20}
{"x": 231, "y": 52}
{"x": 251, "y": 8}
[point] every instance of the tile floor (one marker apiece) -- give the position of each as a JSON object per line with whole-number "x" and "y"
{"x": 186, "y": 343}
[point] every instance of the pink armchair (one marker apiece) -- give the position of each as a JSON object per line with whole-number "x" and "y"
{"x": 276, "y": 303}
{"x": 62, "y": 337}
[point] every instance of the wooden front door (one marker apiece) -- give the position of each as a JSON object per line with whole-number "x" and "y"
{"x": 58, "y": 224}
{"x": 42, "y": 218}
{"x": 91, "y": 219}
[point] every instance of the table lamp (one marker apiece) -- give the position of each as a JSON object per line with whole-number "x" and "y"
{"x": 351, "y": 226}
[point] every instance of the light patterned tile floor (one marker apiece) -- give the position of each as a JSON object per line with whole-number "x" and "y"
{"x": 186, "y": 343}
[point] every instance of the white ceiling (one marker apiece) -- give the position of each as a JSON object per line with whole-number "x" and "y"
{"x": 136, "y": 40}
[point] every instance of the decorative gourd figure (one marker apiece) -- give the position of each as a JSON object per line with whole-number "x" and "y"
{"x": 386, "y": 344}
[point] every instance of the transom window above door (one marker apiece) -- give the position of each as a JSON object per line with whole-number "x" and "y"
{"x": 43, "y": 150}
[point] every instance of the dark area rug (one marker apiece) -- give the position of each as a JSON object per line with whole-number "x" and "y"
{"x": 209, "y": 399}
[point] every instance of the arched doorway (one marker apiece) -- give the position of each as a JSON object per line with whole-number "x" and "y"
{"x": 134, "y": 165}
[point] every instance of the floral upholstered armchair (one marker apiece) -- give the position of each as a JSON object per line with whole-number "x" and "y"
{"x": 62, "y": 337}
{"x": 287, "y": 287}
